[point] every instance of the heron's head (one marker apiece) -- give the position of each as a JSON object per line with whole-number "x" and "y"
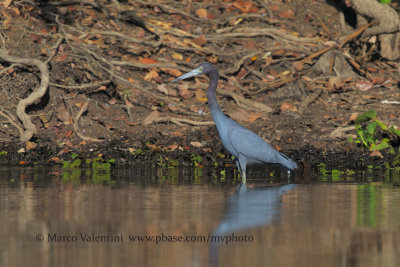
{"x": 203, "y": 68}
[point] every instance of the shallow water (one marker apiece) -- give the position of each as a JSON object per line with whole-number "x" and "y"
{"x": 197, "y": 217}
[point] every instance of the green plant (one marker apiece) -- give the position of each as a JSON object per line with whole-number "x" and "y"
{"x": 196, "y": 159}
{"x": 367, "y": 133}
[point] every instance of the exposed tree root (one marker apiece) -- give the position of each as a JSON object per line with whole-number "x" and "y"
{"x": 29, "y": 127}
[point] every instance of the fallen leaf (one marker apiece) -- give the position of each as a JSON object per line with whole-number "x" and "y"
{"x": 30, "y": 145}
{"x": 201, "y": 13}
{"x": 379, "y": 79}
{"x": 173, "y": 107}
{"x": 151, "y": 75}
{"x": 22, "y": 162}
{"x": 173, "y": 72}
{"x": 154, "y": 146}
{"x": 166, "y": 90}
{"x": 171, "y": 147}
{"x": 376, "y": 153}
{"x": 200, "y": 94}
{"x": 254, "y": 116}
{"x": 335, "y": 82}
{"x": 56, "y": 159}
{"x": 270, "y": 77}
{"x": 177, "y": 133}
{"x": 298, "y": 65}
{"x": 196, "y": 144}
{"x": 364, "y": 85}
{"x": 201, "y": 40}
{"x": 60, "y": 57}
{"x": 177, "y": 56}
{"x": 287, "y": 14}
{"x": 112, "y": 101}
{"x": 288, "y": 107}
{"x": 274, "y": 8}
{"x": 87, "y": 21}
{"x": 353, "y": 116}
{"x": 80, "y": 104}
{"x": 184, "y": 93}
{"x": 150, "y": 118}
{"x": 348, "y": 79}
{"x": 245, "y": 7}
{"x": 148, "y": 61}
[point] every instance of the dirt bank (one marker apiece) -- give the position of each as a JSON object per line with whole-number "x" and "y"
{"x": 294, "y": 72}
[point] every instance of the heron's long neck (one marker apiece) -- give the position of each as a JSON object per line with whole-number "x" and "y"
{"x": 212, "y": 100}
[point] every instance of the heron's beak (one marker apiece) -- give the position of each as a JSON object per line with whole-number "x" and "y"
{"x": 194, "y": 72}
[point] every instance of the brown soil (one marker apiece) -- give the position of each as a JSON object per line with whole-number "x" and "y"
{"x": 133, "y": 112}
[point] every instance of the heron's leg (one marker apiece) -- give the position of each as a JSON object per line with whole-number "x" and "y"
{"x": 241, "y": 163}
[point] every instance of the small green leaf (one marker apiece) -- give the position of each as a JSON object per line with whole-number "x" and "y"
{"x": 371, "y": 128}
{"x": 74, "y": 155}
{"x": 221, "y": 155}
{"x": 395, "y": 131}
{"x": 381, "y": 146}
{"x": 382, "y": 125}
{"x": 369, "y": 115}
{"x": 66, "y": 164}
{"x": 77, "y": 163}
{"x": 386, "y": 2}
{"x": 111, "y": 160}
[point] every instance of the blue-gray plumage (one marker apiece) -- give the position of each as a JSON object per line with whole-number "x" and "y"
{"x": 246, "y": 146}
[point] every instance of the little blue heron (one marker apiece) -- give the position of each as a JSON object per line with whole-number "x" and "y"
{"x": 246, "y": 146}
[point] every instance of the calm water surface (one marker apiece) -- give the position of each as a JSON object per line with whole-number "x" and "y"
{"x": 197, "y": 217}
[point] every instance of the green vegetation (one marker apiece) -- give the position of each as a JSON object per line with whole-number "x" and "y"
{"x": 367, "y": 126}
{"x": 385, "y": 1}
{"x": 98, "y": 169}
{"x": 196, "y": 159}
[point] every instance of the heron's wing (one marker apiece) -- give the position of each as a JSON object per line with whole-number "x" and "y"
{"x": 252, "y": 146}
{"x": 255, "y": 149}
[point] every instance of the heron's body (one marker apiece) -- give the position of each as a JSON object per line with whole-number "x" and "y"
{"x": 246, "y": 146}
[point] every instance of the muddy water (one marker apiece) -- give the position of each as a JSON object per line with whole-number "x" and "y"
{"x": 196, "y": 217}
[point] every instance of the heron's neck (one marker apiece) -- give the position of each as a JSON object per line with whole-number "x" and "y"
{"x": 211, "y": 97}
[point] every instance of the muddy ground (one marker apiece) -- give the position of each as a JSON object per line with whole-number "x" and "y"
{"x": 295, "y": 72}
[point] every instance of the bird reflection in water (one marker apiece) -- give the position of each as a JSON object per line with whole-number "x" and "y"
{"x": 248, "y": 208}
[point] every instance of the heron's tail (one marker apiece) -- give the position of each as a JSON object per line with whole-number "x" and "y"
{"x": 287, "y": 162}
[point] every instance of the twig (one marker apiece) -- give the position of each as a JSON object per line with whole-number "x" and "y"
{"x": 9, "y": 67}
{"x": 76, "y": 126}
{"x": 179, "y": 121}
{"x": 354, "y": 34}
{"x": 80, "y": 87}
{"x": 309, "y": 99}
{"x": 123, "y": 36}
{"x": 246, "y": 103}
{"x": 271, "y": 32}
{"x": 339, "y": 132}
{"x": 11, "y": 119}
